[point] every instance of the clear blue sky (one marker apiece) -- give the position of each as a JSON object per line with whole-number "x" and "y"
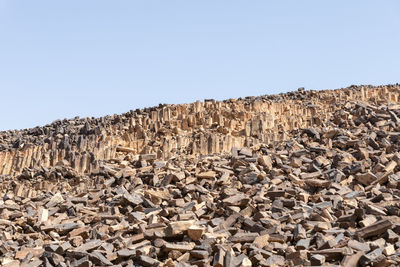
{"x": 60, "y": 59}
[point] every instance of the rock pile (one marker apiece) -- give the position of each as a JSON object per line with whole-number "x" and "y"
{"x": 328, "y": 195}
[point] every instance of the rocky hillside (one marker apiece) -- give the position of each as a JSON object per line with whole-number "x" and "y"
{"x": 200, "y": 128}
{"x": 297, "y": 179}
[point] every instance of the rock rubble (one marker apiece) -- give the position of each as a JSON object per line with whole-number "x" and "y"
{"x": 326, "y": 195}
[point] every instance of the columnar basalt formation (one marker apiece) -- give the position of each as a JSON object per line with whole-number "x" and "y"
{"x": 200, "y": 128}
{"x": 309, "y": 178}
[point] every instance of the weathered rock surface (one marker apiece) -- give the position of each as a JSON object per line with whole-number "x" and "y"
{"x": 200, "y": 128}
{"x": 299, "y": 179}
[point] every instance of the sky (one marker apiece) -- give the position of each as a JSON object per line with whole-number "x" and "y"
{"x": 61, "y": 59}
